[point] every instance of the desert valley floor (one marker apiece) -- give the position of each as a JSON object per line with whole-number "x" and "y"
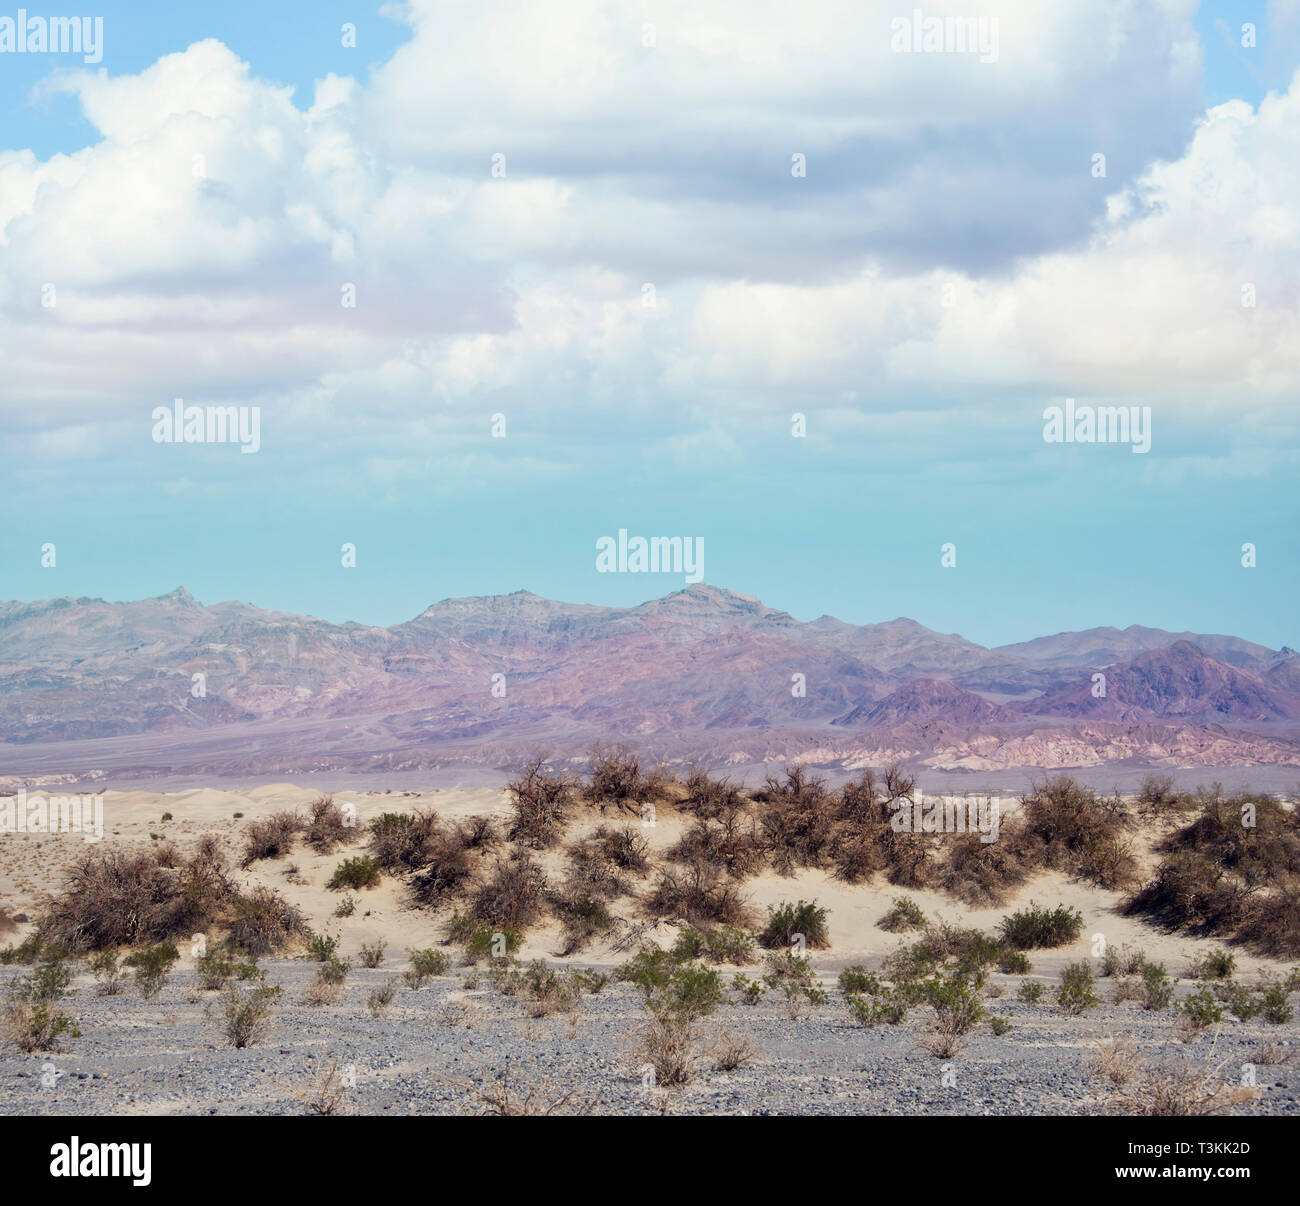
{"x": 456, "y": 1044}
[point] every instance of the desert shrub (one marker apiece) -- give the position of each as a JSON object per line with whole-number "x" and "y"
{"x": 372, "y": 953}
{"x": 904, "y": 914}
{"x": 113, "y": 899}
{"x": 669, "y": 984}
{"x": 584, "y": 918}
{"x": 625, "y": 848}
{"x": 322, "y": 947}
{"x": 1121, "y": 961}
{"x": 864, "y": 840}
{"x": 1030, "y": 991}
{"x": 1115, "y": 1059}
{"x": 796, "y": 820}
{"x": 787, "y": 923}
{"x": 955, "y": 1009}
{"x": 263, "y": 923}
{"x": 271, "y": 838}
{"x": 981, "y": 873}
{"x": 513, "y": 896}
{"x": 731, "y": 1051}
{"x": 1190, "y": 892}
{"x": 363, "y": 871}
{"x": 333, "y": 970}
{"x": 1014, "y": 962}
{"x": 400, "y": 840}
{"x": 715, "y": 944}
{"x": 479, "y": 941}
{"x": 346, "y": 907}
{"x": 886, "y": 1007}
{"x": 214, "y": 968}
{"x": 327, "y": 827}
{"x": 35, "y": 1025}
{"x": 546, "y": 990}
{"x": 246, "y": 1014}
{"x": 110, "y": 980}
{"x": 424, "y": 965}
{"x": 710, "y": 798}
{"x": 648, "y": 969}
{"x": 727, "y": 842}
{"x": 541, "y": 803}
{"x": 1156, "y": 991}
{"x": 750, "y": 991}
{"x": 1158, "y": 794}
{"x": 1076, "y": 991}
{"x": 691, "y": 991}
{"x": 1176, "y": 1088}
{"x": 1036, "y": 928}
{"x": 617, "y": 779}
{"x": 382, "y": 997}
{"x": 48, "y": 981}
{"x": 1274, "y": 1005}
{"x": 666, "y": 1044}
{"x": 1069, "y": 828}
{"x": 1200, "y": 1010}
{"x": 697, "y": 893}
{"x": 1215, "y": 965}
{"x": 857, "y": 980}
{"x": 151, "y": 965}
{"x": 1240, "y": 1001}
{"x": 1233, "y": 870}
{"x": 1271, "y": 925}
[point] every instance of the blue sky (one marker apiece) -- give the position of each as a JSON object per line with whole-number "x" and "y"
{"x": 949, "y": 266}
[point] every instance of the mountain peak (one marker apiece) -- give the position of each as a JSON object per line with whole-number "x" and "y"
{"x": 179, "y": 595}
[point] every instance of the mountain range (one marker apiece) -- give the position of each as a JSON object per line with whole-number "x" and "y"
{"x": 164, "y": 685}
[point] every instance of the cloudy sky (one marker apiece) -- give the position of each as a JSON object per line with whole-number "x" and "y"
{"x": 917, "y": 252}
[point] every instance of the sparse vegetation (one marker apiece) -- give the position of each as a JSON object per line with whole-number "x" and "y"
{"x": 804, "y": 922}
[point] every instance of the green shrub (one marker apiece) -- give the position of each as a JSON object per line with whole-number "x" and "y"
{"x": 109, "y": 977}
{"x": 361, "y": 871}
{"x": 478, "y": 940}
{"x": 247, "y": 1015}
{"x": 1030, "y": 991}
{"x": 1076, "y": 992}
{"x": 322, "y": 947}
{"x": 372, "y": 954}
{"x": 904, "y": 914}
{"x": 1014, "y": 962}
{"x": 872, "y": 1011}
{"x": 1000, "y": 1025}
{"x": 1037, "y": 928}
{"x": 692, "y": 991}
{"x": 1156, "y": 991}
{"x": 424, "y": 965}
{"x": 1275, "y": 1007}
{"x": 346, "y": 907}
{"x": 35, "y": 1025}
{"x": 857, "y": 980}
{"x": 1241, "y": 1002}
{"x": 151, "y": 967}
{"x": 1201, "y": 1009}
{"x": 751, "y": 991}
{"x": 1216, "y": 965}
{"x": 214, "y": 968}
{"x": 787, "y": 922}
{"x": 716, "y": 944}
{"x": 382, "y": 997}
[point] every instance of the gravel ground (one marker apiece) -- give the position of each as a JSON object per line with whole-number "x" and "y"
{"x": 167, "y": 1056}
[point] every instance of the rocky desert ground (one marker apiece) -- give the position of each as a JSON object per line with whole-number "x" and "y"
{"x": 476, "y": 1033}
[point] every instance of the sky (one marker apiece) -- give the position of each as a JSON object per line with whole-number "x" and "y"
{"x": 636, "y": 240}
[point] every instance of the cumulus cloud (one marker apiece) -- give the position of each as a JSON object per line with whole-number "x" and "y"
{"x": 648, "y": 257}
